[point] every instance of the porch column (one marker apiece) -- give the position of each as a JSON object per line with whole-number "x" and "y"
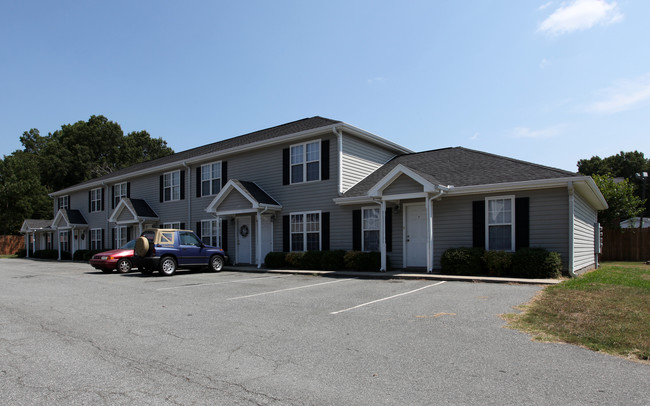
{"x": 428, "y": 203}
{"x": 58, "y": 239}
{"x": 382, "y": 236}
{"x": 258, "y": 239}
{"x": 27, "y": 243}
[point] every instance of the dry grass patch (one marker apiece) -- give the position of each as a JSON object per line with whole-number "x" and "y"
{"x": 605, "y": 310}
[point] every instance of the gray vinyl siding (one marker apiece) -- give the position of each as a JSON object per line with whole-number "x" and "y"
{"x": 360, "y": 159}
{"x": 402, "y": 185}
{"x": 583, "y": 234}
{"x": 125, "y": 215}
{"x": 235, "y": 201}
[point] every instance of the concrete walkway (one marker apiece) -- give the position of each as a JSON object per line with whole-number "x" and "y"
{"x": 401, "y": 274}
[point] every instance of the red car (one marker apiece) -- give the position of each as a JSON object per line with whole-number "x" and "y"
{"x": 120, "y": 259}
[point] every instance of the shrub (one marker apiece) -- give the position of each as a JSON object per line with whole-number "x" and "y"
{"x": 333, "y": 260}
{"x": 84, "y": 255}
{"x": 275, "y": 260}
{"x": 311, "y": 260}
{"x": 22, "y": 253}
{"x": 362, "y": 261}
{"x": 498, "y": 263}
{"x": 294, "y": 259}
{"x": 536, "y": 263}
{"x": 46, "y": 254}
{"x": 462, "y": 261}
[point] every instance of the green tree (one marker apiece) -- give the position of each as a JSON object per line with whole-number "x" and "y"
{"x": 621, "y": 165}
{"x": 621, "y": 198}
{"x": 21, "y": 193}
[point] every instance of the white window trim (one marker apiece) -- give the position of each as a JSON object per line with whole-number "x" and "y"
{"x": 118, "y": 196}
{"x": 217, "y": 228}
{"x": 304, "y": 230}
{"x": 96, "y": 200}
{"x": 65, "y": 199}
{"x": 120, "y": 231}
{"x": 171, "y": 224}
{"x": 172, "y": 186}
{"x": 363, "y": 229}
{"x": 305, "y": 162}
{"x": 511, "y": 224}
{"x": 96, "y": 232}
{"x": 212, "y": 192}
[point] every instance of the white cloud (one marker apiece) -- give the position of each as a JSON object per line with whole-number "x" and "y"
{"x": 625, "y": 95}
{"x": 543, "y": 6}
{"x": 544, "y": 63}
{"x": 377, "y": 79}
{"x": 550, "y": 132}
{"x": 580, "y": 15}
{"x": 474, "y": 137}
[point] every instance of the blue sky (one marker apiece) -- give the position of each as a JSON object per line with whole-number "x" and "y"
{"x": 544, "y": 81}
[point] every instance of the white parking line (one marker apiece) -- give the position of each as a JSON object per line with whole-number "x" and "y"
{"x": 288, "y": 289}
{"x": 386, "y": 298}
{"x": 220, "y": 283}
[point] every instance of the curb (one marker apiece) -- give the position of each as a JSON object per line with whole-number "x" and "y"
{"x": 394, "y": 275}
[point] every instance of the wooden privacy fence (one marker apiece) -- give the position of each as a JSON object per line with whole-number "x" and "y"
{"x": 9, "y": 244}
{"x": 626, "y": 244}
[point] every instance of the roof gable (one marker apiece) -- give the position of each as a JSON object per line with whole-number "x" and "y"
{"x": 250, "y": 191}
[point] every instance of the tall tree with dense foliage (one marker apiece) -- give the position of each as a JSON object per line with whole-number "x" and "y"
{"x": 621, "y": 198}
{"x": 76, "y": 153}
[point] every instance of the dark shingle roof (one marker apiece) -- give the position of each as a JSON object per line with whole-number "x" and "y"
{"x": 258, "y": 194}
{"x": 142, "y": 208}
{"x": 75, "y": 217}
{"x": 37, "y": 224}
{"x": 461, "y": 167}
{"x": 242, "y": 140}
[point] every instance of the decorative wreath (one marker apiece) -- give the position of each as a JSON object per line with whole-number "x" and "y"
{"x": 243, "y": 230}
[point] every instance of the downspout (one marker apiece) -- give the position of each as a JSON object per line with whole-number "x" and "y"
{"x": 430, "y": 229}
{"x": 571, "y": 228}
{"x": 189, "y": 196}
{"x": 339, "y": 140}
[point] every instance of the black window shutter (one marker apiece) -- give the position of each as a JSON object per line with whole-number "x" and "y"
{"x": 478, "y": 223}
{"x": 522, "y": 223}
{"x": 325, "y": 160}
{"x": 286, "y": 234}
{"x": 356, "y": 230}
{"x": 113, "y": 238}
{"x": 182, "y": 226}
{"x": 198, "y": 181}
{"x": 224, "y": 235}
{"x": 198, "y": 229}
{"x": 182, "y": 185}
{"x": 103, "y": 243}
{"x": 224, "y": 173}
{"x": 89, "y": 200}
{"x": 162, "y": 188}
{"x": 286, "y": 167}
{"x": 389, "y": 229}
{"x": 325, "y": 231}
{"x": 128, "y": 189}
{"x": 113, "y": 197}
{"x": 128, "y": 234}
{"x": 102, "y": 199}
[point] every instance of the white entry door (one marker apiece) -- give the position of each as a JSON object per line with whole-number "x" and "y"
{"x": 244, "y": 237}
{"x": 267, "y": 236}
{"x": 415, "y": 249}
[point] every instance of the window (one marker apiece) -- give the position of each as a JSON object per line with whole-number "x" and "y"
{"x": 96, "y": 239}
{"x": 370, "y": 227}
{"x": 500, "y": 223}
{"x": 305, "y": 231}
{"x": 172, "y": 186}
{"x": 63, "y": 202}
{"x": 96, "y": 200}
{"x": 171, "y": 225}
{"x": 120, "y": 236}
{"x": 210, "y": 233}
{"x": 64, "y": 239}
{"x": 188, "y": 238}
{"x": 210, "y": 179}
{"x": 119, "y": 191}
{"x": 48, "y": 241}
{"x": 305, "y": 162}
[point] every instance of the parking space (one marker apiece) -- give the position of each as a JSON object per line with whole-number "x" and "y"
{"x": 71, "y": 334}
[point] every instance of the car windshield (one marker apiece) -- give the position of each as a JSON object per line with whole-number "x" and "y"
{"x": 128, "y": 246}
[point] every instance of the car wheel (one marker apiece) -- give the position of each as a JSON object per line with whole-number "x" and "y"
{"x": 123, "y": 265}
{"x": 216, "y": 263}
{"x": 167, "y": 266}
{"x": 142, "y": 246}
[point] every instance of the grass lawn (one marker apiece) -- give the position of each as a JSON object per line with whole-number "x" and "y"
{"x": 605, "y": 310}
{"x": 9, "y": 256}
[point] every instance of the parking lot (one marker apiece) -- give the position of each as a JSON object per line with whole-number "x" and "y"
{"x": 72, "y": 335}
